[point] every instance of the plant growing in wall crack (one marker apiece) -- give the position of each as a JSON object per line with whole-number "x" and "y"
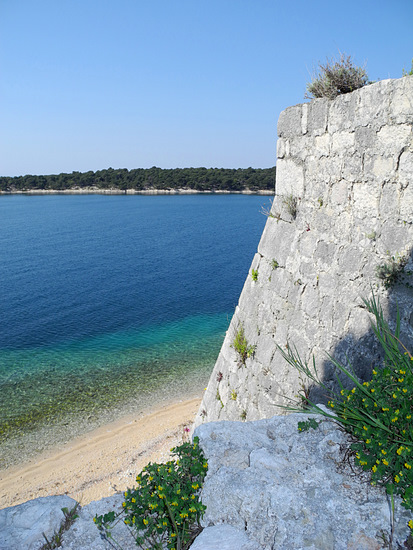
{"x": 377, "y": 413}
{"x": 291, "y": 204}
{"x": 391, "y": 271}
{"x": 254, "y": 275}
{"x": 164, "y": 510}
{"x": 241, "y": 346}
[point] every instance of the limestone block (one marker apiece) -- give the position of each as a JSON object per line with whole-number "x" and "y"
{"x": 318, "y": 116}
{"x": 23, "y": 526}
{"x": 366, "y": 199}
{"x": 343, "y": 143}
{"x": 406, "y": 166}
{"x": 277, "y": 240}
{"x": 342, "y": 113}
{"x": 290, "y": 178}
{"x": 406, "y": 203}
{"x": 379, "y": 168}
{"x": 322, "y": 145}
{"x": 389, "y": 201}
{"x": 401, "y": 106}
{"x": 289, "y": 122}
{"x": 304, "y": 118}
{"x": 373, "y": 103}
{"x": 307, "y": 494}
{"x": 340, "y": 193}
{"x": 391, "y": 140}
{"x": 365, "y": 138}
{"x": 352, "y": 167}
{"x": 223, "y": 537}
{"x": 281, "y": 148}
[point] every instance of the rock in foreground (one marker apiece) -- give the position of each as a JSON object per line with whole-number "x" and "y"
{"x": 280, "y": 489}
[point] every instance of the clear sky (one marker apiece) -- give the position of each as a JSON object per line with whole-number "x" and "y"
{"x": 92, "y": 84}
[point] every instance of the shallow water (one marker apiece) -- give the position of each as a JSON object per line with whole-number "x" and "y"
{"x": 111, "y": 304}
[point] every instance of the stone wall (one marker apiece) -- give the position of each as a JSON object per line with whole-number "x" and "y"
{"x": 348, "y": 166}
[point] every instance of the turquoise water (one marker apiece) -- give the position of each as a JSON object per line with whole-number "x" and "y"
{"x": 110, "y": 305}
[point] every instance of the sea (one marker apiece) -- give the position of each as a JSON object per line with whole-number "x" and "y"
{"x": 110, "y": 305}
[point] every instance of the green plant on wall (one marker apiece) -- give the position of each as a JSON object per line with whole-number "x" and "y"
{"x": 241, "y": 346}
{"x": 377, "y": 413}
{"x": 254, "y": 275}
{"x": 291, "y": 204}
{"x": 410, "y": 73}
{"x": 390, "y": 272}
{"x": 337, "y": 77}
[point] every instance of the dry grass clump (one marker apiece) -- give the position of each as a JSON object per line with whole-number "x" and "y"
{"x": 337, "y": 77}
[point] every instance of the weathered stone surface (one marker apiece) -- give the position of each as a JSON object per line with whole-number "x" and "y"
{"x": 349, "y": 163}
{"x": 22, "y": 526}
{"x": 84, "y": 535}
{"x": 278, "y": 488}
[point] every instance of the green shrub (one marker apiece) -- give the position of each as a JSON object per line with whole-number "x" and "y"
{"x": 164, "y": 508}
{"x": 254, "y": 275}
{"x": 337, "y": 77}
{"x": 291, "y": 204}
{"x": 391, "y": 271}
{"x": 241, "y": 346}
{"x": 377, "y": 413}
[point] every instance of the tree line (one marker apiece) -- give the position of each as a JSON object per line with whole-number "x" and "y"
{"x": 199, "y": 179}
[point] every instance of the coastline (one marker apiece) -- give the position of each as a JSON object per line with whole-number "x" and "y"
{"x": 95, "y": 191}
{"x": 102, "y": 462}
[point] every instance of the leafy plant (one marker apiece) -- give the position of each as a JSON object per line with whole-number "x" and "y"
{"x": 234, "y": 395}
{"x": 390, "y": 272}
{"x": 254, "y": 275}
{"x": 241, "y": 346}
{"x": 291, "y": 204}
{"x": 376, "y": 413}
{"x": 243, "y": 415}
{"x": 306, "y": 425}
{"x": 70, "y": 517}
{"x": 274, "y": 264}
{"x": 410, "y": 73}
{"x": 164, "y": 508}
{"x": 337, "y": 77}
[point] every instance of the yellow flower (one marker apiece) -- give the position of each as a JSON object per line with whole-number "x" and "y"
{"x": 372, "y": 390}
{"x": 145, "y": 521}
{"x": 138, "y": 478}
{"x": 374, "y": 468}
{"x": 374, "y": 372}
{"x": 394, "y": 419}
{"x": 404, "y": 390}
{"x": 368, "y": 441}
{"x": 399, "y": 450}
{"x": 364, "y": 428}
{"x": 195, "y": 486}
{"x": 396, "y": 478}
{"x": 124, "y": 504}
{"x": 134, "y": 500}
{"x": 164, "y": 523}
{"x": 353, "y": 390}
{"x": 401, "y": 379}
{"x": 408, "y": 416}
{"x": 384, "y": 452}
{"x": 385, "y": 462}
{"x": 410, "y": 524}
{"x": 408, "y": 466}
{"x": 394, "y": 396}
{"x": 173, "y": 534}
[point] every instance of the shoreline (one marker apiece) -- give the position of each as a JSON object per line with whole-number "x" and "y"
{"x": 102, "y": 462}
{"x": 94, "y": 191}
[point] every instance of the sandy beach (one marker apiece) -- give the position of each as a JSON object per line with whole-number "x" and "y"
{"x": 102, "y": 462}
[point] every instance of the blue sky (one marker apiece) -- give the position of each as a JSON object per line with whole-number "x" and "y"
{"x": 92, "y": 84}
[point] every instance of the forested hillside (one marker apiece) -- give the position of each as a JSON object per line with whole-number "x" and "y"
{"x": 200, "y": 179}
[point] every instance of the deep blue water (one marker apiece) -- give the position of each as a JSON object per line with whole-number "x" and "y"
{"x": 109, "y": 303}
